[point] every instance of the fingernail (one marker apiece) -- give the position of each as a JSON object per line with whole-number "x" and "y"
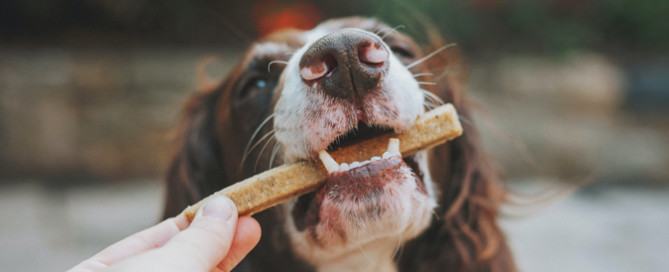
{"x": 219, "y": 207}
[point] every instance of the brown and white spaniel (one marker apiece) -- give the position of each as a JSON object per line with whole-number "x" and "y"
{"x": 295, "y": 93}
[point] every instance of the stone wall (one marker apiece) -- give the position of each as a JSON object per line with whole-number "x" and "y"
{"x": 68, "y": 114}
{"x": 570, "y": 118}
{"x": 100, "y": 114}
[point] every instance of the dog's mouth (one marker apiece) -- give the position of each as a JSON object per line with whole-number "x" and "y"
{"x": 358, "y": 183}
{"x": 360, "y": 133}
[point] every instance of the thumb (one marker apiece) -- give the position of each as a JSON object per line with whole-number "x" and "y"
{"x": 207, "y": 240}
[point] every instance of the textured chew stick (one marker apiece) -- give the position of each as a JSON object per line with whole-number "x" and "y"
{"x": 281, "y": 183}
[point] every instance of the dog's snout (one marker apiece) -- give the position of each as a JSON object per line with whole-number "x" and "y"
{"x": 345, "y": 63}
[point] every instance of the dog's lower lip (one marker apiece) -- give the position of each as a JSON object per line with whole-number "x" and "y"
{"x": 306, "y": 210}
{"x": 392, "y": 153}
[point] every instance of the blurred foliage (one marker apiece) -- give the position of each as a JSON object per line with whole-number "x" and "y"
{"x": 547, "y": 26}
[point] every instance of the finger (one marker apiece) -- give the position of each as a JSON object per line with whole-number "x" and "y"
{"x": 142, "y": 241}
{"x": 246, "y": 238}
{"x": 207, "y": 240}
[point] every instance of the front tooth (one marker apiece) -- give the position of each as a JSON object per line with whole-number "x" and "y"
{"x": 355, "y": 164}
{"x": 394, "y": 146}
{"x": 344, "y": 167}
{"x": 386, "y": 155}
{"x": 330, "y": 164}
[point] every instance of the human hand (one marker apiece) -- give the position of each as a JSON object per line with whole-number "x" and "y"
{"x": 216, "y": 240}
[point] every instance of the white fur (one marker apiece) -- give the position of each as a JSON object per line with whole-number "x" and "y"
{"x": 299, "y": 103}
{"x": 270, "y": 48}
{"x": 306, "y": 121}
{"x": 408, "y": 213}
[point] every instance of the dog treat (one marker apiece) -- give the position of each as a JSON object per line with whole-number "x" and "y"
{"x": 282, "y": 183}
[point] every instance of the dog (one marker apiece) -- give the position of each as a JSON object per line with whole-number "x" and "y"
{"x": 295, "y": 93}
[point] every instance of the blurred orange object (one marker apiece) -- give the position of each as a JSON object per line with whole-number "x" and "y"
{"x": 272, "y": 15}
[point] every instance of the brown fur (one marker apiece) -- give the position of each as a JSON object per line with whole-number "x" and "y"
{"x": 464, "y": 235}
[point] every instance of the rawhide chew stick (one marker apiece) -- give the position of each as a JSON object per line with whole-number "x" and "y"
{"x": 282, "y": 183}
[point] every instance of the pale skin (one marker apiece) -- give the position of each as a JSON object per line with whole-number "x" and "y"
{"x": 216, "y": 240}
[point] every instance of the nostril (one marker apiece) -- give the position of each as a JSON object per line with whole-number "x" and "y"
{"x": 372, "y": 53}
{"x": 315, "y": 71}
{"x": 318, "y": 69}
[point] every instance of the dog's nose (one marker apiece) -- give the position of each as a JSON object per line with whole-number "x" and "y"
{"x": 345, "y": 63}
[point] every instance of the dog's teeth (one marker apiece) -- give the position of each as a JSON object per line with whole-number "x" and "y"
{"x": 330, "y": 164}
{"x": 393, "y": 146}
{"x": 386, "y": 155}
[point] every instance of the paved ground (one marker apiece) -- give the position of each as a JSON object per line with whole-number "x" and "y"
{"x": 597, "y": 229}
{"x": 601, "y": 229}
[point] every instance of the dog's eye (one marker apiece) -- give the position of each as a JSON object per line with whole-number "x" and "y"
{"x": 402, "y": 52}
{"x": 260, "y": 83}
{"x": 253, "y": 86}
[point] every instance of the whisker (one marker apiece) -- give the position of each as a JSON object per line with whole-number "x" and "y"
{"x": 255, "y": 167}
{"x": 426, "y": 83}
{"x": 377, "y": 31}
{"x": 447, "y": 70}
{"x": 434, "y": 214}
{"x": 269, "y": 65}
{"x": 422, "y": 74}
{"x": 434, "y": 97}
{"x": 429, "y": 105}
{"x": 464, "y": 120}
{"x": 393, "y": 30}
{"x": 434, "y": 53}
{"x": 429, "y": 102}
{"x": 275, "y": 150}
{"x": 398, "y": 247}
{"x": 264, "y": 137}
{"x": 255, "y": 133}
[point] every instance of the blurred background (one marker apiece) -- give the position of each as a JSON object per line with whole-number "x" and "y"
{"x": 566, "y": 91}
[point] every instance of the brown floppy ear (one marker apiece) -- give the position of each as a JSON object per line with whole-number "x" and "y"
{"x": 196, "y": 170}
{"x": 464, "y": 235}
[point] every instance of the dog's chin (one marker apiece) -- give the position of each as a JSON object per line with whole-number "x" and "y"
{"x": 384, "y": 200}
